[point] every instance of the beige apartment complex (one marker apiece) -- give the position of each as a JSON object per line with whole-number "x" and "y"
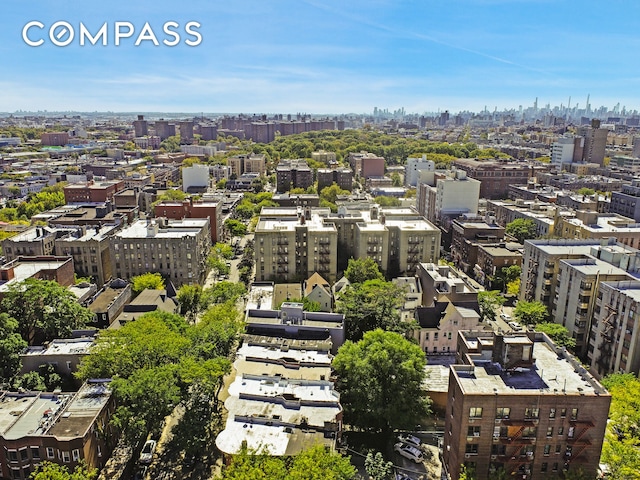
{"x": 293, "y": 243}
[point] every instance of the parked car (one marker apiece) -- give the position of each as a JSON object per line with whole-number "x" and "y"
{"x": 410, "y": 440}
{"x": 407, "y": 451}
{"x": 515, "y": 326}
{"x": 505, "y": 317}
{"x": 146, "y": 455}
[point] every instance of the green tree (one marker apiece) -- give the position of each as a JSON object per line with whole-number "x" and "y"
{"x": 521, "y": 229}
{"x": 11, "y": 345}
{"x": 171, "y": 195}
{"x": 190, "y": 161}
{"x": 331, "y": 193}
{"x": 377, "y": 467}
{"x": 370, "y": 305}
{"x": 307, "y": 305}
{"x": 513, "y": 288}
{"x": 223, "y": 250}
{"x": 396, "y": 179}
{"x": 314, "y": 463}
{"x": 489, "y": 303}
{"x": 530, "y": 313}
{"x": 54, "y": 471}
{"x": 153, "y": 281}
{"x": 384, "y": 201}
{"x": 222, "y": 292}
{"x": 359, "y": 270}
{"x": 235, "y": 227}
{"x": 190, "y": 299}
{"x": 44, "y": 310}
{"x": 558, "y": 333}
{"x": 585, "y": 191}
{"x": 380, "y": 382}
{"x": 620, "y": 449}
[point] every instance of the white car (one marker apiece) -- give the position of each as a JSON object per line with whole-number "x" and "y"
{"x": 505, "y": 317}
{"x": 146, "y": 455}
{"x": 410, "y": 440}
{"x": 516, "y": 327}
{"x": 407, "y": 451}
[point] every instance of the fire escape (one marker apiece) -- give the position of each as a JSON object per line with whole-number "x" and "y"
{"x": 324, "y": 256}
{"x": 530, "y": 287}
{"x": 608, "y": 332}
{"x": 283, "y": 255}
{"x": 519, "y": 453}
{"x": 374, "y": 248}
{"x": 578, "y": 442}
{"x": 547, "y": 276}
{"x": 413, "y": 253}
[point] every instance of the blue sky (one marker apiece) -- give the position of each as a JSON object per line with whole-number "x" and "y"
{"x": 326, "y": 56}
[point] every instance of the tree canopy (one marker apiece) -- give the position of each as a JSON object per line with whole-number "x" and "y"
{"x": 530, "y": 313}
{"x": 44, "y": 310}
{"x": 489, "y": 302}
{"x": 153, "y": 281}
{"x": 521, "y": 229}
{"x": 158, "y": 361}
{"x": 314, "y": 463}
{"x": 621, "y": 449}
{"x": 370, "y": 305}
{"x": 558, "y": 333}
{"x": 359, "y": 270}
{"x": 235, "y": 227}
{"x": 54, "y": 471}
{"x": 380, "y": 382}
{"x": 11, "y": 345}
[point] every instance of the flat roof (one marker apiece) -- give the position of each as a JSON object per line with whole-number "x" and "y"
{"x": 62, "y": 346}
{"x": 24, "y": 415}
{"x": 174, "y": 229}
{"x": 27, "y": 269}
{"x": 554, "y": 373}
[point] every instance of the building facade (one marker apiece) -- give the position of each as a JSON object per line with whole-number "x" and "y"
{"x": 177, "y": 249}
{"x": 518, "y": 404}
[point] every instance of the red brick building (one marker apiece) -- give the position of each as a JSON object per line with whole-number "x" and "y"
{"x": 54, "y": 139}
{"x": 92, "y": 192}
{"x": 495, "y": 176}
{"x": 191, "y": 209}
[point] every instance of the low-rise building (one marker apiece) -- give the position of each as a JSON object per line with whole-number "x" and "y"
{"x": 64, "y": 355}
{"x": 58, "y": 269}
{"x": 55, "y": 427}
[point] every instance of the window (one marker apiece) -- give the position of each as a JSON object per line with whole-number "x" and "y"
{"x": 558, "y": 448}
{"x": 503, "y": 412}
{"x": 35, "y": 453}
{"x": 471, "y": 448}
{"x": 554, "y": 467}
{"x": 15, "y": 473}
{"x": 549, "y": 431}
{"x": 532, "y": 412}
{"x": 563, "y": 412}
{"x": 50, "y": 452}
{"x": 24, "y": 455}
{"x": 475, "y": 412}
{"x": 544, "y": 467}
{"x": 65, "y": 457}
{"x": 560, "y": 430}
{"x": 552, "y": 413}
{"x": 473, "y": 431}
{"x": 75, "y": 454}
{"x": 435, "y": 336}
{"x": 574, "y": 414}
{"x": 12, "y": 455}
{"x": 547, "y": 450}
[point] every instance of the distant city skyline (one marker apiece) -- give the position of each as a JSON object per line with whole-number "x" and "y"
{"x": 326, "y": 57}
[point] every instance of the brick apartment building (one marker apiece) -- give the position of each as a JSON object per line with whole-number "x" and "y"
{"x": 496, "y": 176}
{"x": 92, "y": 192}
{"x": 191, "y": 209}
{"x": 520, "y": 404}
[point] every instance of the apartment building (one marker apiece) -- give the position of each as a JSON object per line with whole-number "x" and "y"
{"x": 89, "y": 248}
{"x": 177, "y": 249}
{"x": 543, "y": 215}
{"x": 293, "y": 243}
{"x": 92, "y": 192}
{"x": 452, "y": 194}
{"x": 519, "y": 404}
{"x": 495, "y": 176}
{"x": 293, "y": 174}
{"x": 414, "y": 167}
{"x": 468, "y": 233}
{"x": 55, "y": 427}
{"x": 35, "y": 241}
{"x": 627, "y": 202}
{"x": 190, "y": 209}
{"x": 343, "y": 177}
{"x": 252, "y": 163}
{"x": 613, "y": 344}
{"x": 58, "y": 269}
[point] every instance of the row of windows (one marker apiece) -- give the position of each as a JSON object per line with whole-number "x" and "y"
{"x": 22, "y": 455}
{"x": 527, "y": 432}
{"x": 530, "y": 412}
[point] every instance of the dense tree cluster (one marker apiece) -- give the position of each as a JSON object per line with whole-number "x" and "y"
{"x": 314, "y": 463}
{"x": 521, "y": 229}
{"x": 159, "y": 361}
